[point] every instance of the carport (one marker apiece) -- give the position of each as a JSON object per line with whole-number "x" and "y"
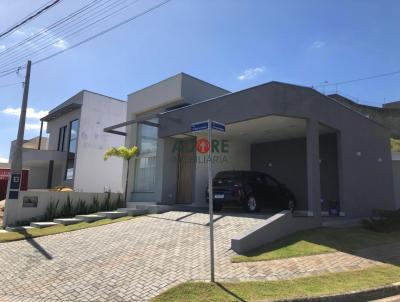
{"x": 276, "y": 145}
{"x": 330, "y": 156}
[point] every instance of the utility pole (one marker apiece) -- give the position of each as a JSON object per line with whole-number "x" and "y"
{"x": 14, "y": 181}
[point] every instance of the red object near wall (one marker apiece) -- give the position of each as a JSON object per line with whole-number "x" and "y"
{"x": 5, "y": 174}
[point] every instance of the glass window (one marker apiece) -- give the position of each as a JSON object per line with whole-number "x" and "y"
{"x": 72, "y": 146}
{"x": 61, "y": 138}
{"x": 145, "y": 174}
{"x": 145, "y": 165}
{"x": 147, "y": 139}
{"x": 73, "y": 136}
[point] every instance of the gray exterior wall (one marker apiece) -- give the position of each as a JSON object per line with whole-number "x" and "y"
{"x": 178, "y": 90}
{"x": 396, "y": 177}
{"x": 365, "y": 181}
{"x": 279, "y": 157}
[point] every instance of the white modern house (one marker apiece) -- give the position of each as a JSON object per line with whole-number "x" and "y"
{"x": 72, "y": 155}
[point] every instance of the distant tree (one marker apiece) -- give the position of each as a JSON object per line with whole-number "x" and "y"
{"x": 395, "y": 144}
{"x": 126, "y": 154}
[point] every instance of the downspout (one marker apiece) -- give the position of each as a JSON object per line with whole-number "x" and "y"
{"x": 40, "y": 135}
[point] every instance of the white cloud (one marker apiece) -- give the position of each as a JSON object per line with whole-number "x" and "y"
{"x": 251, "y": 73}
{"x": 2, "y": 47}
{"x": 61, "y": 44}
{"x": 3, "y": 160}
{"x": 35, "y": 126}
{"x": 31, "y": 113}
{"x": 20, "y": 32}
{"x": 318, "y": 44}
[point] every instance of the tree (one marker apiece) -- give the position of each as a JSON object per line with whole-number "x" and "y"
{"x": 395, "y": 144}
{"x": 126, "y": 154}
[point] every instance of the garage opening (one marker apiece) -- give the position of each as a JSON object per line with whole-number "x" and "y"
{"x": 277, "y": 146}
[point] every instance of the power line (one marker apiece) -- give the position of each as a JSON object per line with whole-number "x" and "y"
{"x": 359, "y": 79}
{"x": 10, "y": 71}
{"x": 52, "y": 38}
{"x": 29, "y": 18}
{"x": 11, "y": 84}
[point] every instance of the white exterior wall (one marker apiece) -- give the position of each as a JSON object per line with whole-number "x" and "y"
{"x": 92, "y": 173}
{"x": 17, "y": 213}
{"x": 237, "y": 158}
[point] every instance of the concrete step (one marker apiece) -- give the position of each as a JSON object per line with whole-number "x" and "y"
{"x": 90, "y": 217}
{"x": 134, "y": 204}
{"x": 113, "y": 214}
{"x": 18, "y": 229}
{"x": 134, "y": 211}
{"x": 67, "y": 221}
{"x": 41, "y": 225}
{"x": 155, "y": 209}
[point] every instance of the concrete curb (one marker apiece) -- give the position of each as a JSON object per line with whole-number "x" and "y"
{"x": 355, "y": 296}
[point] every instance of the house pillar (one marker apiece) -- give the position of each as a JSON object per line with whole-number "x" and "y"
{"x": 313, "y": 168}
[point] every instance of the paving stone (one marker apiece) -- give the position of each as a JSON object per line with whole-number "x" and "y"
{"x": 136, "y": 260}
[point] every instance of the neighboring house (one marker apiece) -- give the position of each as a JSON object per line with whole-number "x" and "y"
{"x": 389, "y": 115}
{"x": 73, "y": 153}
{"x": 327, "y": 153}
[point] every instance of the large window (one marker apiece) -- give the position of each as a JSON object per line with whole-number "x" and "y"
{"x": 61, "y": 138}
{"x": 72, "y": 145}
{"x": 145, "y": 164}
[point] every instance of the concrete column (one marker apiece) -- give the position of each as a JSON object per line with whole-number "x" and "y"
{"x": 313, "y": 168}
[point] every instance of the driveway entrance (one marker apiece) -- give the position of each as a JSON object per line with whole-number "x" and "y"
{"x": 137, "y": 259}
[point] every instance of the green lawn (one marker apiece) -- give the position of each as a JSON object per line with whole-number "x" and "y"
{"x": 32, "y": 233}
{"x": 327, "y": 284}
{"x": 318, "y": 241}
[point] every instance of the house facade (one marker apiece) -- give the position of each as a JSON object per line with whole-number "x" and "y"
{"x": 72, "y": 155}
{"x": 327, "y": 153}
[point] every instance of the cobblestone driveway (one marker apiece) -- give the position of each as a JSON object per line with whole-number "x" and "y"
{"x": 137, "y": 259}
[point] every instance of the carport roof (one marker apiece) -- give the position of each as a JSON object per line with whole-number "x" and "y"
{"x": 272, "y": 98}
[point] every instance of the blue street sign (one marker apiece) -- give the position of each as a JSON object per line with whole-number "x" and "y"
{"x": 218, "y": 126}
{"x": 199, "y": 126}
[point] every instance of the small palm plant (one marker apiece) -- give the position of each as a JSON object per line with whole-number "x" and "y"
{"x": 126, "y": 154}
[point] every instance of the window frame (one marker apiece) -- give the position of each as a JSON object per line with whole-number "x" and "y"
{"x": 71, "y": 156}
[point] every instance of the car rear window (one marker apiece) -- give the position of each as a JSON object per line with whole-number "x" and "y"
{"x": 228, "y": 175}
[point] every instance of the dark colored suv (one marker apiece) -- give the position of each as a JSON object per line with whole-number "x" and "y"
{"x": 251, "y": 190}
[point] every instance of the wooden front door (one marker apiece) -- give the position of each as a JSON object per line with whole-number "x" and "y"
{"x": 186, "y": 166}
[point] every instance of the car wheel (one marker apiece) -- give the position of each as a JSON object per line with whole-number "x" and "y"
{"x": 217, "y": 207}
{"x": 251, "y": 205}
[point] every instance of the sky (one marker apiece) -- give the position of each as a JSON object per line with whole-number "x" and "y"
{"x": 234, "y": 44}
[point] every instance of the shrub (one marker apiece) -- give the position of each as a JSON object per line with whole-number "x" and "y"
{"x": 81, "y": 208}
{"x": 385, "y": 221}
{"x": 120, "y": 201}
{"x": 67, "y": 209}
{"x": 95, "y": 205}
{"x": 51, "y": 210}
